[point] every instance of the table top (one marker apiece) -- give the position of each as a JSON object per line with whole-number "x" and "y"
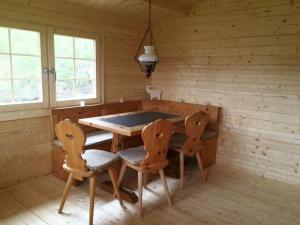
{"x": 130, "y": 123}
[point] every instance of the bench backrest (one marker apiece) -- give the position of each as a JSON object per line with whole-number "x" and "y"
{"x": 185, "y": 109}
{"x": 121, "y": 107}
{"x": 74, "y": 114}
{"x": 79, "y": 112}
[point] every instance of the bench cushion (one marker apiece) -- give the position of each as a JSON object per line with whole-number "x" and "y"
{"x": 178, "y": 140}
{"x": 133, "y": 155}
{"x": 93, "y": 138}
{"x": 98, "y": 160}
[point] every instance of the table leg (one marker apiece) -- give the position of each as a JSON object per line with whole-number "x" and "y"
{"x": 117, "y": 142}
{"x": 126, "y": 194}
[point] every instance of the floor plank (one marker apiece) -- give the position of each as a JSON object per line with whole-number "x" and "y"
{"x": 230, "y": 197}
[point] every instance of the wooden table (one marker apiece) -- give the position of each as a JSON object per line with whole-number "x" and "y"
{"x": 126, "y": 124}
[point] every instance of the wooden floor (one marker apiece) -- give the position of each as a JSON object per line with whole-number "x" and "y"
{"x": 229, "y": 197}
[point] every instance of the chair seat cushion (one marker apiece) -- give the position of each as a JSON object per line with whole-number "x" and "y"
{"x": 99, "y": 160}
{"x": 178, "y": 140}
{"x": 133, "y": 155}
{"x": 93, "y": 138}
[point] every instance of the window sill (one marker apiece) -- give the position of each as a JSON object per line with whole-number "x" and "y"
{"x": 26, "y": 114}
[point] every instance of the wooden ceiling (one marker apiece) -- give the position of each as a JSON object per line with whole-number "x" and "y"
{"x": 138, "y": 9}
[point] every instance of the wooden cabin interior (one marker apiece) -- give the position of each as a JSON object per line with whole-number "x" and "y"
{"x": 204, "y": 129}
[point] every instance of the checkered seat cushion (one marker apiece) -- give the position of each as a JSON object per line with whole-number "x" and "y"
{"x": 178, "y": 140}
{"x": 133, "y": 155}
{"x": 99, "y": 160}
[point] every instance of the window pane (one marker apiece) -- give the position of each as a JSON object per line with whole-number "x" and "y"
{"x": 84, "y": 48}
{"x": 85, "y": 89}
{"x": 75, "y": 68}
{"x": 64, "y": 89}
{"x": 5, "y": 92}
{"x": 25, "y": 42}
{"x": 64, "y": 69}
{"x": 27, "y": 91}
{"x": 63, "y": 46}
{"x": 20, "y": 66}
{"x": 85, "y": 69}
{"x": 4, "y": 67}
{"x": 4, "y": 42}
{"x": 26, "y": 67}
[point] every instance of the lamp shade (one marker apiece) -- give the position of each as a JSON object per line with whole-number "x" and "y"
{"x": 148, "y": 60}
{"x": 149, "y": 55}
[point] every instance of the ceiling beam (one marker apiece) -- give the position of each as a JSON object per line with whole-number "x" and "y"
{"x": 170, "y": 6}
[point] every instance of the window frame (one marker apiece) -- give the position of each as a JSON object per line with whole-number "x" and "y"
{"x": 51, "y": 31}
{"x": 44, "y": 63}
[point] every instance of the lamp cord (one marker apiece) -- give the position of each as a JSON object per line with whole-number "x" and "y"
{"x": 150, "y": 11}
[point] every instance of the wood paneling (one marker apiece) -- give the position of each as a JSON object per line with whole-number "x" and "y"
{"x": 138, "y": 9}
{"x": 26, "y": 144}
{"x": 243, "y": 56}
{"x": 26, "y": 149}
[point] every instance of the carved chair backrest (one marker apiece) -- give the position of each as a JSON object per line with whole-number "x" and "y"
{"x": 73, "y": 140}
{"x": 156, "y": 137}
{"x": 195, "y": 125}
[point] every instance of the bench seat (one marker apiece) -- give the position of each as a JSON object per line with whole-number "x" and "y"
{"x": 93, "y": 138}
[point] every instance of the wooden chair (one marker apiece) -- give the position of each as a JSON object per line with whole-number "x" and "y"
{"x": 149, "y": 158}
{"x": 191, "y": 143}
{"x": 80, "y": 163}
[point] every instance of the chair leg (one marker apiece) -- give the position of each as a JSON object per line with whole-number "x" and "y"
{"x": 116, "y": 188}
{"x": 121, "y": 174}
{"x": 92, "y": 198}
{"x": 145, "y": 181}
{"x": 163, "y": 179}
{"x": 181, "y": 170}
{"x": 66, "y": 192}
{"x": 202, "y": 170}
{"x": 140, "y": 191}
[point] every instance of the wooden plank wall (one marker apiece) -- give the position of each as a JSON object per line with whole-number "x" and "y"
{"x": 25, "y": 144}
{"x": 244, "y": 56}
{"x": 26, "y": 149}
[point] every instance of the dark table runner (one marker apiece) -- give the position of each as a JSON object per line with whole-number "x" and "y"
{"x": 138, "y": 119}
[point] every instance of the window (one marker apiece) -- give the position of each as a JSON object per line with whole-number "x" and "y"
{"x": 75, "y": 65}
{"x": 62, "y": 68}
{"x": 20, "y": 67}
{"x": 74, "y": 62}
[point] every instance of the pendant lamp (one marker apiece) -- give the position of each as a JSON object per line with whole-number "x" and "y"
{"x": 149, "y": 58}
